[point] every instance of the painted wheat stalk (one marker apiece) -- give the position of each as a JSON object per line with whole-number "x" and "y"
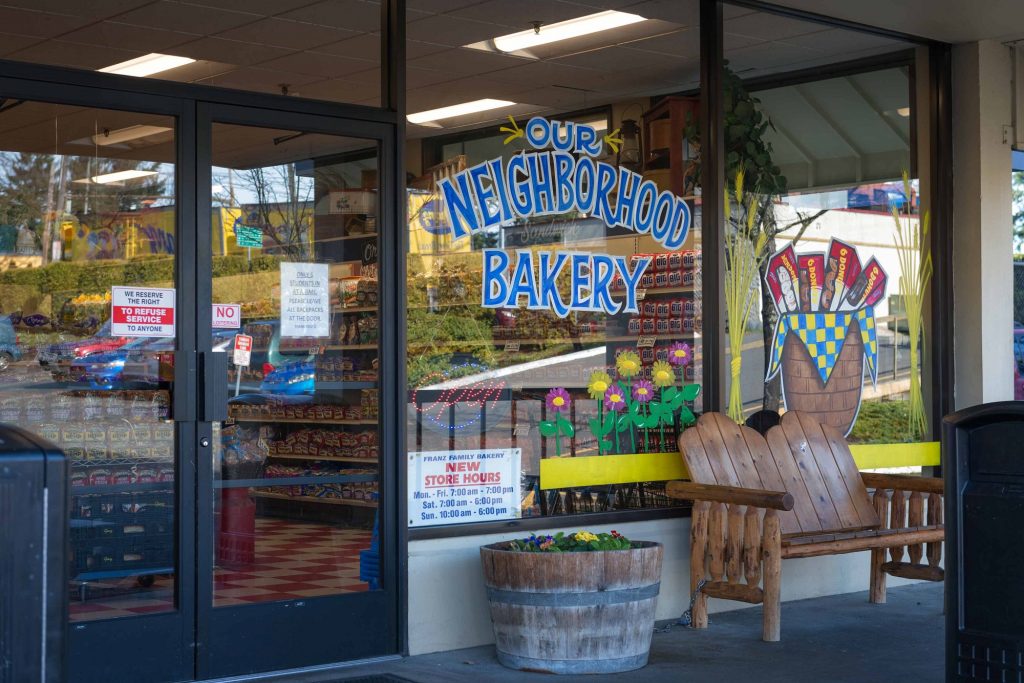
{"x": 746, "y": 247}
{"x": 915, "y": 274}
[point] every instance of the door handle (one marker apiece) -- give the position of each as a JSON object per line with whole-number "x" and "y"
{"x": 215, "y": 379}
{"x": 183, "y": 404}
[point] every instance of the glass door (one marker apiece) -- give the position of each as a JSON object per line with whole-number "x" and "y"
{"x": 292, "y": 545}
{"x": 91, "y": 338}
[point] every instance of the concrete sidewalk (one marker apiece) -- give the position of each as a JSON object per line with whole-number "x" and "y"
{"x": 832, "y": 639}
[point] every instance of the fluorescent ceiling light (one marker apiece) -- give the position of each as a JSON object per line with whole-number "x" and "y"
{"x": 116, "y": 137}
{"x": 564, "y": 30}
{"x": 117, "y": 177}
{"x": 457, "y": 110}
{"x": 147, "y": 65}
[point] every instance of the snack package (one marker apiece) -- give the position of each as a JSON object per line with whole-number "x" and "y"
{"x": 841, "y": 270}
{"x": 784, "y": 279}
{"x": 875, "y": 280}
{"x": 812, "y": 270}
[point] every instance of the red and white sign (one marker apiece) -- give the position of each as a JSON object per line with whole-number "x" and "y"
{"x": 243, "y": 350}
{"x": 141, "y": 312}
{"x": 227, "y": 316}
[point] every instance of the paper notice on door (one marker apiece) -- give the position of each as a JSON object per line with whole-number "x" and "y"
{"x": 305, "y": 300}
{"x": 141, "y": 312}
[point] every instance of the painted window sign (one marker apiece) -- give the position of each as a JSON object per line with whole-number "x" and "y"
{"x": 544, "y": 182}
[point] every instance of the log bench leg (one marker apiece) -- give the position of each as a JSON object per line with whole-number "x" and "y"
{"x": 698, "y": 550}
{"x": 772, "y": 553}
{"x": 876, "y": 594}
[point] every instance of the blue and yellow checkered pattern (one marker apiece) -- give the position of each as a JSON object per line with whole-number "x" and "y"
{"x": 823, "y": 334}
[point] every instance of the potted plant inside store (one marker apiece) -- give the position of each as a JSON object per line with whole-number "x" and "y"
{"x": 578, "y": 603}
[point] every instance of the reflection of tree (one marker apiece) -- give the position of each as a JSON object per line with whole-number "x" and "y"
{"x": 1017, "y": 185}
{"x": 281, "y": 205}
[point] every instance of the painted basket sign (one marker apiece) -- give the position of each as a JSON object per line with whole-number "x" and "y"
{"x": 826, "y": 334}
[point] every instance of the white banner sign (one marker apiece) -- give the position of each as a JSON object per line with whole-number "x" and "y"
{"x": 305, "y": 300}
{"x": 227, "y": 316}
{"x": 141, "y": 312}
{"x": 453, "y": 487}
{"x": 243, "y": 350}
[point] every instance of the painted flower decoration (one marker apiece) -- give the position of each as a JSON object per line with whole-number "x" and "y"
{"x": 679, "y": 353}
{"x": 558, "y": 400}
{"x": 663, "y": 374}
{"x": 627, "y": 364}
{"x": 598, "y": 384}
{"x": 614, "y": 399}
{"x": 643, "y": 391}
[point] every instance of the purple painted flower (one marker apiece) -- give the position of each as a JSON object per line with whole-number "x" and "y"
{"x": 558, "y": 400}
{"x": 614, "y": 398}
{"x": 643, "y": 391}
{"x": 679, "y": 353}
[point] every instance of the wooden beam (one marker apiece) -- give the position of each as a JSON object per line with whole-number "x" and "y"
{"x": 734, "y": 591}
{"x": 735, "y": 495}
{"x": 853, "y": 545}
{"x": 908, "y": 570}
{"x": 903, "y": 482}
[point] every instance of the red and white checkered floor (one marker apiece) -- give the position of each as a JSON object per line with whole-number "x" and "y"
{"x": 293, "y": 560}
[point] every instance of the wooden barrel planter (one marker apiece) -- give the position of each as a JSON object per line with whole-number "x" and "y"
{"x": 835, "y": 403}
{"x": 573, "y": 613}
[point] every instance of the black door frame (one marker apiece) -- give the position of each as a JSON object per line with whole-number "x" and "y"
{"x": 218, "y": 631}
{"x": 166, "y": 645}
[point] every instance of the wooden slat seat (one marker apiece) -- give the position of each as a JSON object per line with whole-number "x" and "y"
{"x": 795, "y": 492}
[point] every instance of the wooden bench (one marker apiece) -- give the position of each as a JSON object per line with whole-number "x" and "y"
{"x": 796, "y": 493}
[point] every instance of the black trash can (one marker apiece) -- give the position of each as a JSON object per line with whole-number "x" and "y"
{"x": 33, "y": 558}
{"x": 983, "y": 453}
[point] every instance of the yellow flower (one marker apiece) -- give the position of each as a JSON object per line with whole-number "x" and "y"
{"x": 627, "y": 364}
{"x": 598, "y": 384}
{"x": 585, "y": 537}
{"x": 662, "y": 374}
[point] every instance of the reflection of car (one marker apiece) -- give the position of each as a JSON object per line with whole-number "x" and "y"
{"x": 143, "y": 362}
{"x": 283, "y": 366}
{"x": 57, "y": 358}
{"x": 10, "y": 345}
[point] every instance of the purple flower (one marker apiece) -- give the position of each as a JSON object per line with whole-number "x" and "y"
{"x": 614, "y": 398}
{"x": 679, "y": 353}
{"x": 643, "y": 391}
{"x": 558, "y": 400}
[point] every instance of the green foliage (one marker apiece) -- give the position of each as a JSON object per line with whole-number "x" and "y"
{"x": 881, "y": 422}
{"x": 579, "y": 542}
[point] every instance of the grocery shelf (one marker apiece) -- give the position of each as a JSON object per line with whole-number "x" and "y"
{"x": 312, "y": 499}
{"x": 330, "y": 458}
{"x": 329, "y": 386}
{"x": 351, "y": 347}
{"x": 122, "y": 488}
{"x": 302, "y": 420}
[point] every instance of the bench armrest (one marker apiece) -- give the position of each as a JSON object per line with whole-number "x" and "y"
{"x": 687, "y": 490}
{"x": 902, "y": 482}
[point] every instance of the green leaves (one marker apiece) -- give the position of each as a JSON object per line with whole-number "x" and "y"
{"x": 547, "y": 428}
{"x": 690, "y": 392}
{"x": 564, "y": 426}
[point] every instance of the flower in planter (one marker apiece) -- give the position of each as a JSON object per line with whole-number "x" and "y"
{"x": 581, "y": 541}
{"x": 558, "y": 400}
{"x": 627, "y": 364}
{"x": 598, "y": 384}
{"x": 663, "y": 374}
{"x": 614, "y": 398}
{"x": 585, "y": 536}
{"x": 679, "y": 353}
{"x": 643, "y": 391}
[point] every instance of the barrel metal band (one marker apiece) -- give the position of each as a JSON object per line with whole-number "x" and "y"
{"x": 574, "y": 666}
{"x": 586, "y": 599}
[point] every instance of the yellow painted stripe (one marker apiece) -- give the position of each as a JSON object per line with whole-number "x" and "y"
{"x": 602, "y": 470}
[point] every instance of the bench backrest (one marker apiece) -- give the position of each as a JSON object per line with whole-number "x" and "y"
{"x": 809, "y": 460}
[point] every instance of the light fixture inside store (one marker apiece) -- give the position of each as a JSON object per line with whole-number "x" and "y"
{"x": 116, "y": 177}
{"x": 122, "y": 135}
{"x": 147, "y": 65}
{"x": 543, "y": 34}
{"x": 904, "y": 112}
{"x": 457, "y": 110}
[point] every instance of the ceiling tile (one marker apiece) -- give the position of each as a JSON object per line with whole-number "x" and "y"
{"x": 467, "y": 61}
{"x": 318, "y": 64}
{"x": 176, "y": 16}
{"x": 10, "y": 43}
{"x": 617, "y": 58}
{"x": 129, "y": 37}
{"x": 438, "y": 6}
{"x": 682, "y": 12}
{"x": 451, "y": 31}
{"x": 682, "y": 43}
{"x": 534, "y": 74}
{"x": 353, "y": 15}
{"x": 93, "y": 9}
{"x": 768, "y": 26}
{"x": 520, "y": 15}
{"x": 59, "y": 53}
{"x": 289, "y": 34}
{"x": 839, "y": 41}
{"x": 339, "y": 90}
{"x": 260, "y": 80}
{"x": 266, "y": 8}
{"x": 364, "y": 46}
{"x": 38, "y": 24}
{"x": 229, "y": 51}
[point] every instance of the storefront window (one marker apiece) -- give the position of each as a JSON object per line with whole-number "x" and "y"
{"x": 554, "y": 280}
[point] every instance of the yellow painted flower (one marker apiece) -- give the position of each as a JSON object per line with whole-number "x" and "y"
{"x": 662, "y": 374}
{"x": 598, "y": 384}
{"x": 627, "y": 364}
{"x": 585, "y": 536}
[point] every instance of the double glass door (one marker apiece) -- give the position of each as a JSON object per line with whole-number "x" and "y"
{"x": 191, "y": 309}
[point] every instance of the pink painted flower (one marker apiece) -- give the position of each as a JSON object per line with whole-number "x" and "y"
{"x": 558, "y": 400}
{"x": 679, "y": 353}
{"x": 614, "y": 398}
{"x": 643, "y": 391}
